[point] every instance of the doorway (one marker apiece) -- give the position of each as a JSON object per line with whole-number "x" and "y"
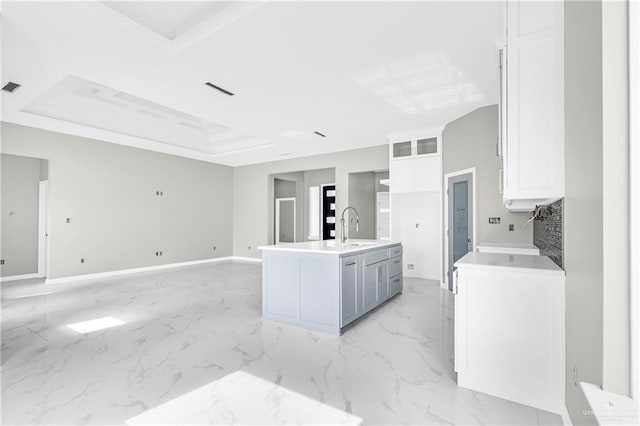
{"x": 383, "y": 209}
{"x": 285, "y": 220}
{"x": 460, "y": 218}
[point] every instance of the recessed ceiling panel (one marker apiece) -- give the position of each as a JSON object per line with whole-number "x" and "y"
{"x": 84, "y": 102}
{"x": 170, "y": 19}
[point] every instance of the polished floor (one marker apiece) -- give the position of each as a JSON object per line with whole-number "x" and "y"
{"x": 193, "y": 350}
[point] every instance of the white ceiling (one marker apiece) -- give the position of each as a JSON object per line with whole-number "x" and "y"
{"x": 354, "y": 71}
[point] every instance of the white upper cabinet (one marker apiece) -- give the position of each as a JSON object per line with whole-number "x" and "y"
{"x": 532, "y": 121}
{"x": 415, "y": 161}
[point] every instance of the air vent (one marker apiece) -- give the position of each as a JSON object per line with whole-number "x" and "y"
{"x": 10, "y": 87}
{"x": 226, "y": 92}
{"x": 320, "y": 134}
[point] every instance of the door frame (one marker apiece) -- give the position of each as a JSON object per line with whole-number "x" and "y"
{"x": 378, "y": 214}
{"x": 278, "y": 200}
{"x": 322, "y": 221}
{"x": 43, "y": 247}
{"x": 445, "y": 237}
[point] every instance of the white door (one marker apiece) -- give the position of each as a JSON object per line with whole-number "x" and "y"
{"x": 285, "y": 220}
{"x": 383, "y": 209}
{"x": 43, "y": 197}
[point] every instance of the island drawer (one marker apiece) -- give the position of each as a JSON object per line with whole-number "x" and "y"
{"x": 395, "y": 251}
{"x": 395, "y": 266}
{"x": 376, "y": 256}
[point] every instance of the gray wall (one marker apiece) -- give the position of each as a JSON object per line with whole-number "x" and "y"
{"x": 251, "y": 190}
{"x": 20, "y": 188}
{"x": 117, "y": 221}
{"x": 284, "y": 188}
{"x": 362, "y": 196}
{"x": 583, "y": 201}
{"x": 596, "y": 200}
{"x": 470, "y": 141}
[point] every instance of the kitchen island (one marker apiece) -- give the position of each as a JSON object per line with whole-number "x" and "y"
{"x": 326, "y": 285}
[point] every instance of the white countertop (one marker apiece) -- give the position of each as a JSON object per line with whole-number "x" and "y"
{"x": 330, "y": 246}
{"x": 508, "y": 248}
{"x": 538, "y": 264}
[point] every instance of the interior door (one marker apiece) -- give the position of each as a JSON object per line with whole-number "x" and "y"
{"x": 285, "y": 220}
{"x": 460, "y": 219}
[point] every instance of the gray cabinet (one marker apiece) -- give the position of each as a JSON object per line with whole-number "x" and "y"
{"x": 395, "y": 285}
{"x": 324, "y": 290}
{"x": 370, "y": 286}
{"x": 350, "y": 289}
{"x": 383, "y": 281}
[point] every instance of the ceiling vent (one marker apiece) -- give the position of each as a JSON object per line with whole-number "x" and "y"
{"x": 320, "y": 134}
{"x": 226, "y": 92}
{"x": 10, "y": 87}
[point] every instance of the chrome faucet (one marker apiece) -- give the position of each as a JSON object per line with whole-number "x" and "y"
{"x": 345, "y": 227}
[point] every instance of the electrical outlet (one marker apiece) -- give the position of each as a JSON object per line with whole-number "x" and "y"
{"x": 82, "y": 260}
{"x": 214, "y": 248}
{"x": 494, "y": 220}
{"x": 511, "y": 227}
{"x": 249, "y": 247}
{"x": 68, "y": 220}
{"x": 160, "y": 253}
{"x": 409, "y": 265}
{"x": 1, "y": 261}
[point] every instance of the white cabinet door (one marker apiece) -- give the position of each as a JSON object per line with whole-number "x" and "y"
{"x": 509, "y": 329}
{"x": 426, "y": 174}
{"x": 401, "y": 175}
{"x": 350, "y": 275}
{"x": 535, "y": 107}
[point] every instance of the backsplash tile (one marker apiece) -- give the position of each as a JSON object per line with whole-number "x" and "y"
{"x": 548, "y": 232}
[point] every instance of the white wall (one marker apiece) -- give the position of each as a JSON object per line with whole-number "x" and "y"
{"x": 251, "y": 188}
{"x": 415, "y": 220}
{"x": 116, "y": 220}
{"x": 615, "y": 156}
{"x": 19, "y": 204}
{"x": 315, "y": 178}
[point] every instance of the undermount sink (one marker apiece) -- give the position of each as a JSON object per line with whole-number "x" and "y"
{"x": 352, "y": 243}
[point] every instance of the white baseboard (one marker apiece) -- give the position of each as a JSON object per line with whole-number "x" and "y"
{"x": 246, "y": 259}
{"x": 100, "y": 275}
{"x": 20, "y": 277}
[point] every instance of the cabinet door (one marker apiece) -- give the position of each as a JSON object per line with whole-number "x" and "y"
{"x": 395, "y": 285}
{"x": 427, "y": 174}
{"x": 460, "y": 322}
{"x": 349, "y": 275}
{"x": 370, "y": 286}
{"x": 535, "y": 100}
{"x": 401, "y": 176}
{"x": 382, "y": 280}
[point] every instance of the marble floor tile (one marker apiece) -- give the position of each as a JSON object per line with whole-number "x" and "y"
{"x": 193, "y": 349}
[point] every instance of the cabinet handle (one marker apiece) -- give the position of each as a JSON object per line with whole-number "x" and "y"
{"x": 396, "y": 280}
{"x": 396, "y": 261}
{"x": 350, "y": 263}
